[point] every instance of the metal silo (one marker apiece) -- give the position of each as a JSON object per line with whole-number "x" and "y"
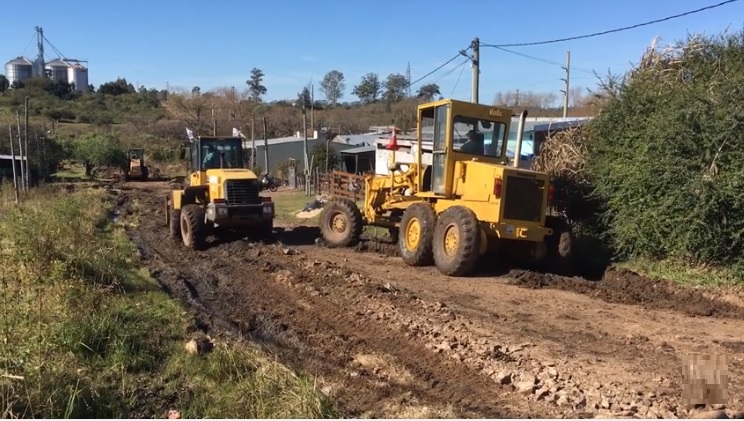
{"x": 78, "y": 74}
{"x": 18, "y": 70}
{"x": 58, "y": 70}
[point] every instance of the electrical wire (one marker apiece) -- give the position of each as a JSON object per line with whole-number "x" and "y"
{"x": 554, "y": 63}
{"x": 452, "y": 70}
{"x": 625, "y": 28}
{"x": 437, "y": 69}
{"x": 462, "y": 69}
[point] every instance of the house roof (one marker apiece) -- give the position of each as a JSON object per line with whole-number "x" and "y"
{"x": 359, "y": 150}
{"x": 357, "y": 139}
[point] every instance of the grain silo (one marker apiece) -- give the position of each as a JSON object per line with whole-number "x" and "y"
{"x": 19, "y": 69}
{"x": 78, "y": 75}
{"x": 58, "y": 70}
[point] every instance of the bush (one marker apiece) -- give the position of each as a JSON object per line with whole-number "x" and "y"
{"x": 666, "y": 154}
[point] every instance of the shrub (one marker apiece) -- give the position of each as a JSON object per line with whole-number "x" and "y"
{"x": 666, "y": 153}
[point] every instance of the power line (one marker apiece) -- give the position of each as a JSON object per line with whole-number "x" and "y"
{"x": 452, "y": 70}
{"x": 625, "y": 28}
{"x": 435, "y": 70}
{"x": 554, "y": 63}
{"x": 462, "y": 68}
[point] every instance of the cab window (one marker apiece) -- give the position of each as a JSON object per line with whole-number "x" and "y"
{"x": 231, "y": 153}
{"x": 478, "y": 136}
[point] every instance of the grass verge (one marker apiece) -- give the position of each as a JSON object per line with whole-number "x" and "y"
{"x": 87, "y": 333}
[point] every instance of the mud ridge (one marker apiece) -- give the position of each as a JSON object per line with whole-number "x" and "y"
{"x": 622, "y": 286}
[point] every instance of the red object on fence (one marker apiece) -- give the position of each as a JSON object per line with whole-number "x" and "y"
{"x": 393, "y": 143}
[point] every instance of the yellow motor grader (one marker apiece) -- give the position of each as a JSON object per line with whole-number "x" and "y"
{"x": 466, "y": 201}
{"x": 221, "y": 193}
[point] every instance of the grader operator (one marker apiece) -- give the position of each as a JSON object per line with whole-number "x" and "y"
{"x": 221, "y": 193}
{"x": 467, "y": 202}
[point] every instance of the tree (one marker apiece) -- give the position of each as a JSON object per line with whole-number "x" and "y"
{"x": 4, "y": 84}
{"x": 368, "y": 89}
{"x": 333, "y": 86}
{"x": 318, "y": 155}
{"x": 255, "y": 85}
{"x": 195, "y": 91}
{"x": 304, "y": 97}
{"x": 118, "y": 87}
{"x": 99, "y": 150}
{"x": 396, "y": 86}
{"x": 428, "y": 91}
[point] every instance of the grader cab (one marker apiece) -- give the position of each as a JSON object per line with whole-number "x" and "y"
{"x": 467, "y": 201}
{"x": 221, "y": 193}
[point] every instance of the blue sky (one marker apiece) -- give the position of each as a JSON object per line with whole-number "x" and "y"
{"x": 215, "y": 44}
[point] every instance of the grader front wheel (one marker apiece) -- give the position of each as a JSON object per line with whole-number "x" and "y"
{"x": 341, "y": 223}
{"x": 416, "y": 235}
{"x": 457, "y": 239}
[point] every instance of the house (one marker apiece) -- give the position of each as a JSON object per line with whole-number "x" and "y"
{"x": 6, "y": 169}
{"x": 284, "y": 149}
{"x": 358, "y": 160}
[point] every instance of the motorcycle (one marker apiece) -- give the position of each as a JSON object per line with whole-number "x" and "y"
{"x": 268, "y": 183}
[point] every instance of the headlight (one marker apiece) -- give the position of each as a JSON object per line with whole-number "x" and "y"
{"x": 267, "y": 210}
{"x": 222, "y": 211}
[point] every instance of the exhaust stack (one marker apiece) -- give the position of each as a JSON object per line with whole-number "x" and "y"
{"x": 520, "y": 135}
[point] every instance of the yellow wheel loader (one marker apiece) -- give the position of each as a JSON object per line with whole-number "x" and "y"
{"x": 221, "y": 193}
{"x": 466, "y": 201}
{"x": 136, "y": 169}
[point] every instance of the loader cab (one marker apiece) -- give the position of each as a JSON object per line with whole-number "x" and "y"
{"x": 459, "y": 131}
{"x": 136, "y": 153}
{"x": 209, "y": 153}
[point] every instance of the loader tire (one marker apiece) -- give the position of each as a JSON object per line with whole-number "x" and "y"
{"x": 416, "y": 235}
{"x": 341, "y": 223}
{"x": 193, "y": 228}
{"x": 265, "y": 230}
{"x": 172, "y": 220}
{"x": 457, "y": 240}
{"x": 559, "y": 247}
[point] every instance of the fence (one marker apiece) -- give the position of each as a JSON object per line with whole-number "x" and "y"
{"x": 340, "y": 184}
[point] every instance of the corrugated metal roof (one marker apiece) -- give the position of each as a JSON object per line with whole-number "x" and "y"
{"x": 359, "y": 150}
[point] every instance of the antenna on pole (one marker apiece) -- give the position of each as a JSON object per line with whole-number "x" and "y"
{"x": 408, "y": 78}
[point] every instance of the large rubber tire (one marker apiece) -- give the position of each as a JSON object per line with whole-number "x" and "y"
{"x": 457, "y": 240}
{"x": 416, "y": 235}
{"x": 193, "y": 228}
{"x": 559, "y": 247}
{"x": 172, "y": 219}
{"x": 341, "y": 223}
{"x": 265, "y": 230}
{"x": 273, "y": 187}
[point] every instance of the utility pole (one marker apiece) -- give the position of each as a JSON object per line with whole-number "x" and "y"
{"x": 214, "y": 122}
{"x": 304, "y": 147}
{"x": 266, "y": 147}
{"x": 476, "y": 69}
{"x": 13, "y": 158}
{"x": 20, "y": 151}
{"x": 567, "y": 68}
{"x": 312, "y": 106}
{"x": 25, "y": 141}
{"x": 253, "y": 141}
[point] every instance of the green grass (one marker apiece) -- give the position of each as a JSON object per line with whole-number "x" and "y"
{"x": 87, "y": 333}
{"x": 683, "y": 273}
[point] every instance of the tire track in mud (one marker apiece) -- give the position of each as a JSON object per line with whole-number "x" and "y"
{"x": 299, "y": 309}
{"x": 616, "y": 286}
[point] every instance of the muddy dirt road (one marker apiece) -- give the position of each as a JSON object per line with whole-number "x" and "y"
{"x": 391, "y": 341}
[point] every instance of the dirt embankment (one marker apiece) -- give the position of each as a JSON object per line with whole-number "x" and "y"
{"x": 389, "y": 340}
